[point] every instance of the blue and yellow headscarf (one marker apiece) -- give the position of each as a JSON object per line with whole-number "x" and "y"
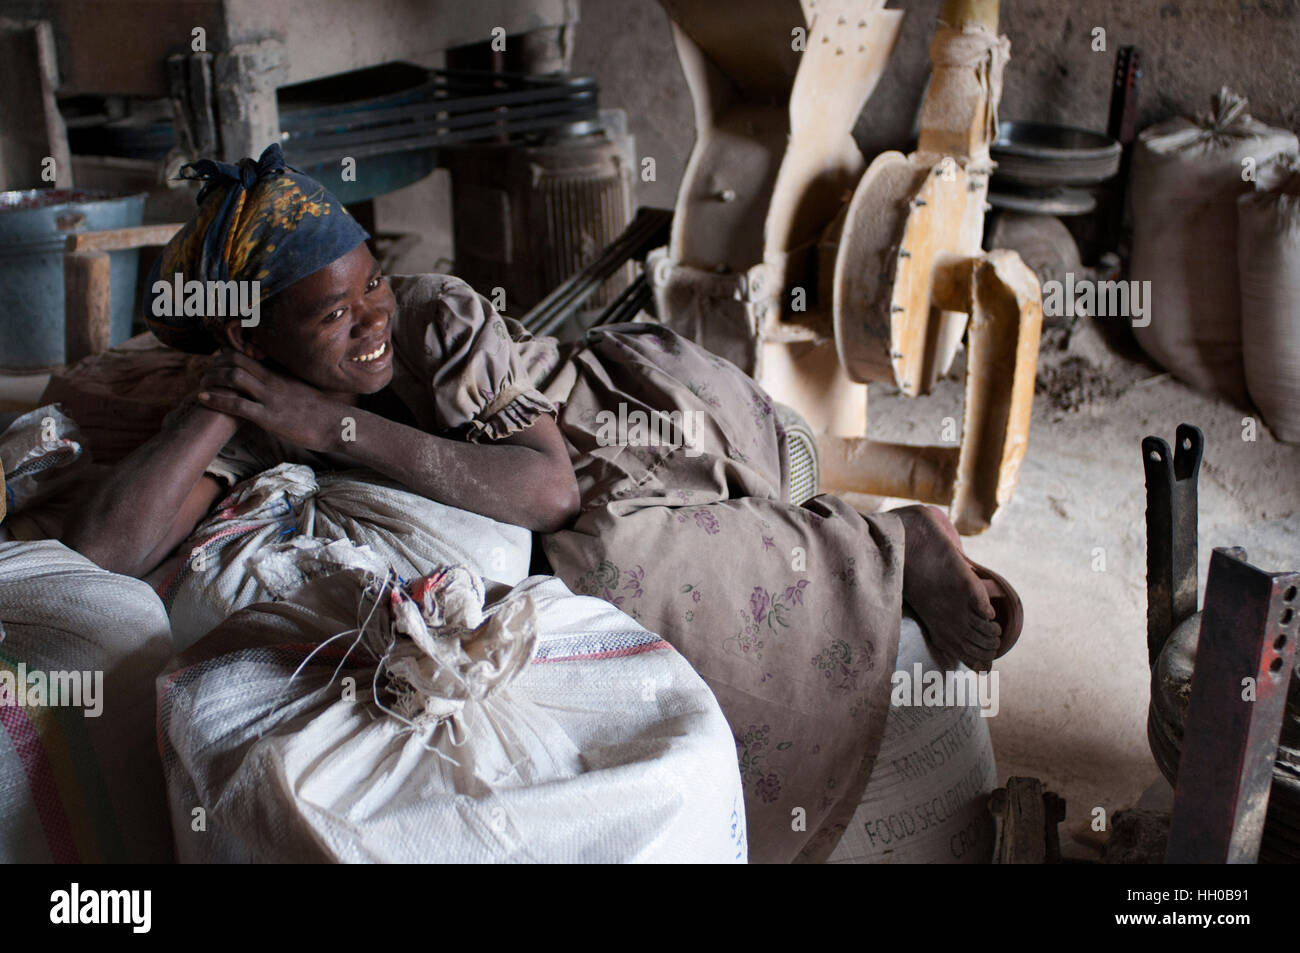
{"x": 259, "y": 220}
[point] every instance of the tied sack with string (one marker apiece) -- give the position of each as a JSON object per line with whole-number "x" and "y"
{"x": 1269, "y": 262}
{"x": 362, "y": 720}
{"x": 1187, "y": 177}
{"x": 209, "y": 576}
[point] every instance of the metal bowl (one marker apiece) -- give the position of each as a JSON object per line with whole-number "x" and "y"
{"x": 1043, "y": 155}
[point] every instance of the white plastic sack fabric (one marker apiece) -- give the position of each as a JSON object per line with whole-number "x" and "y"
{"x": 1269, "y": 264}
{"x": 209, "y": 577}
{"x": 43, "y": 459}
{"x": 927, "y": 800}
{"x": 544, "y": 727}
{"x": 1187, "y": 176}
{"x": 37, "y": 451}
{"x": 80, "y": 649}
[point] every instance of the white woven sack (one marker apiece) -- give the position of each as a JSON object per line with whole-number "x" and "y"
{"x": 546, "y": 727}
{"x": 1269, "y": 262}
{"x": 209, "y": 577}
{"x": 41, "y": 452}
{"x": 927, "y": 800}
{"x": 80, "y": 779}
{"x": 1187, "y": 176}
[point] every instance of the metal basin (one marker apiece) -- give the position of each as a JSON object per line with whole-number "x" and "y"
{"x": 33, "y": 226}
{"x": 1043, "y": 155}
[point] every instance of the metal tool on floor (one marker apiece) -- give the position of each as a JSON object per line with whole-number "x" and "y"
{"x": 1220, "y": 724}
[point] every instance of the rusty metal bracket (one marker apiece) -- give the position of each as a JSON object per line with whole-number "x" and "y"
{"x": 1239, "y": 687}
{"x": 1171, "y": 532}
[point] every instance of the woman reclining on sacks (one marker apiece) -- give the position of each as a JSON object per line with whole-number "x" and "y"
{"x": 791, "y": 613}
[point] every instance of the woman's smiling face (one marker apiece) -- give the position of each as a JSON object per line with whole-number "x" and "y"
{"x": 332, "y": 329}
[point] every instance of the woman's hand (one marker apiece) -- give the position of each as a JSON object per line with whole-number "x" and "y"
{"x": 283, "y": 406}
{"x": 525, "y": 479}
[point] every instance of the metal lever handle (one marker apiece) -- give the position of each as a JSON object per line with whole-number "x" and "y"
{"x": 1171, "y": 479}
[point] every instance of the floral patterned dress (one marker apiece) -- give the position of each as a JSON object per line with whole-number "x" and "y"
{"x": 790, "y": 613}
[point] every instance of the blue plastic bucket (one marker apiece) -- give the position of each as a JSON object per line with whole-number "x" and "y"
{"x": 33, "y": 227}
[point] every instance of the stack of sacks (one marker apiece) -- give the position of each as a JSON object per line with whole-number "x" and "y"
{"x": 1187, "y": 178}
{"x": 80, "y": 778}
{"x": 359, "y": 719}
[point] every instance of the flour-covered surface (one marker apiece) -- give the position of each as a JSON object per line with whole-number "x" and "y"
{"x": 1074, "y": 691}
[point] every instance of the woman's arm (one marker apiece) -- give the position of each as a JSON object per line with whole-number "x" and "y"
{"x": 525, "y": 479}
{"x": 154, "y": 498}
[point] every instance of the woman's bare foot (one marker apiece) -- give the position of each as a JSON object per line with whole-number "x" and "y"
{"x": 944, "y": 592}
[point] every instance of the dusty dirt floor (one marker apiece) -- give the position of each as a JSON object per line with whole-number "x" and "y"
{"x": 1074, "y": 690}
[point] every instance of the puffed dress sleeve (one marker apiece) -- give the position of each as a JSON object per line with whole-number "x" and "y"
{"x": 453, "y": 345}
